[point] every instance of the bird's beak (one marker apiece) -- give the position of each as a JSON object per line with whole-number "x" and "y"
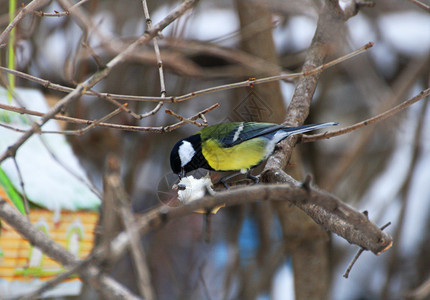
{"x": 182, "y": 173}
{"x": 179, "y": 187}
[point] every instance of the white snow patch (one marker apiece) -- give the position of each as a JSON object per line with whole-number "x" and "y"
{"x": 46, "y": 182}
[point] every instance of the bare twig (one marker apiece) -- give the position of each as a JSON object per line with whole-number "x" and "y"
{"x": 159, "y": 63}
{"x": 402, "y": 84}
{"x": 21, "y": 182}
{"x": 116, "y": 103}
{"x": 33, "y": 5}
{"x": 159, "y": 129}
{"x": 351, "y": 264}
{"x": 175, "y": 99}
{"x": 81, "y": 131}
{"x": 96, "y": 77}
{"x": 405, "y": 191}
{"x": 195, "y": 117}
{"x": 57, "y": 13}
{"x": 326, "y": 210}
{"x": 94, "y": 55}
{"x": 152, "y": 112}
{"x": 116, "y": 190}
{"x": 181, "y": 118}
{"x": 85, "y": 22}
{"x": 375, "y": 119}
{"x": 85, "y": 129}
{"x": 354, "y": 260}
{"x": 252, "y": 81}
{"x": 12, "y": 127}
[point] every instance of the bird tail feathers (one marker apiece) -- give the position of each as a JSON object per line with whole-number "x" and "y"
{"x": 310, "y": 127}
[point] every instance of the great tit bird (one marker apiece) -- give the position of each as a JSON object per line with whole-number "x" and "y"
{"x": 238, "y": 146}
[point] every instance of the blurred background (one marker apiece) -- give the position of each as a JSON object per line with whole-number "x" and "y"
{"x": 381, "y": 168}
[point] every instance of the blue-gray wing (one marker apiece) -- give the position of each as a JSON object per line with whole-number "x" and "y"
{"x": 248, "y": 130}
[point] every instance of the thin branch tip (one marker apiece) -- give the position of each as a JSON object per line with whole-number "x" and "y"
{"x": 385, "y": 226}
{"x": 351, "y": 264}
{"x": 369, "y": 45}
{"x": 306, "y": 185}
{"x": 366, "y": 213}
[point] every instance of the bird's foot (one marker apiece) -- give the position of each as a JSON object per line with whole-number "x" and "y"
{"x": 256, "y": 179}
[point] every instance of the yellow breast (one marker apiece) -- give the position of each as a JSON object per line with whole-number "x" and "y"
{"x": 240, "y": 157}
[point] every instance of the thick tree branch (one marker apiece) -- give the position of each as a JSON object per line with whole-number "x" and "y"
{"x": 331, "y": 19}
{"x": 322, "y": 207}
{"x": 331, "y": 213}
{"x": 310, "y": 260}
{"x": 325, "y": 209}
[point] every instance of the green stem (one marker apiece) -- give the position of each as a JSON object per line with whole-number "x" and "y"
{"x": 11, "y": 52}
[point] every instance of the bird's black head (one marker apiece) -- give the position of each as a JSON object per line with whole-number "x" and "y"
{"x": 187, "y": 156}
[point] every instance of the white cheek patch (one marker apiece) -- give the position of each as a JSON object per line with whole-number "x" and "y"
{"x": 186, "y": 152}
{"x": 237, "y": 133}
